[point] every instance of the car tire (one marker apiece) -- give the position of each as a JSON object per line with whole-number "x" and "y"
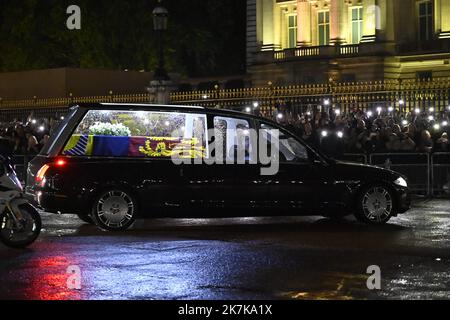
{"x": 114, "y": 210}
{"x": 33, "y": 220}
{"x": 85, "y": 218}
{"x": 375, "y": 205}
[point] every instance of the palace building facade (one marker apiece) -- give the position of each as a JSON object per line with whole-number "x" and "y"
{"x": 316, "y": 41}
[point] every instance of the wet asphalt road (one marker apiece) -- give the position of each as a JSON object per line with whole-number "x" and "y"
{"x": 252, "y": 258}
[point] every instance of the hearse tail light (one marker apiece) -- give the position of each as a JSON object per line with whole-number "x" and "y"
{"x": 40, "y": 176}
{"x": 61, "y": 162}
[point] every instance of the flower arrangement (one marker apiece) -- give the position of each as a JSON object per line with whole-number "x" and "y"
{"x": 109, "y": 129}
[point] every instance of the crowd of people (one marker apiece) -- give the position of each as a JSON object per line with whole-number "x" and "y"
{"x": 25, "y": 138}
{"x": 335, "y": 132}
{"x": 383, "y": 130}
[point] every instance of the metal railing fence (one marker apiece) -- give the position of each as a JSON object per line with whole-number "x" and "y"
{"x": 403, "y": 94}
{"x": 428, "y": 174}
{"x": 440, "y": 174}
{"x": 415, "y": 166}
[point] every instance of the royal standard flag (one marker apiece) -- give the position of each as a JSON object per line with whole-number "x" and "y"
{"x": 79, "y": 145}
{"x": 110, "y": 146}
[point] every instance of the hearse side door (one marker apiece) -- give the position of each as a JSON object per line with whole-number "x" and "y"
{"x": 299, "y": 179}
{"x": 169, "y": 179}
{"x": 222, "y": 180}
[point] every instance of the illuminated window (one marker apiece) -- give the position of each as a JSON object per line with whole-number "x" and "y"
{"x": 232, "y": 140}
{"x": 425, "y": 20}
{"x": 323, "y": 24}
{"x": 292, "y": 31}
{"x": 357, "y": 24}
{"x": 289, "y": 148}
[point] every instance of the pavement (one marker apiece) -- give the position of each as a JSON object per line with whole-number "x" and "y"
{"x": 232, "y": 259}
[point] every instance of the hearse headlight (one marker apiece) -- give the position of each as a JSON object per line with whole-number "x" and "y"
{"x": 401, "y": 182}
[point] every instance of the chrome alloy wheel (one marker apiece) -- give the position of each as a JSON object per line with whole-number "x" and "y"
{"x": 115, "y": 209}
{"x": 377, "y": 204}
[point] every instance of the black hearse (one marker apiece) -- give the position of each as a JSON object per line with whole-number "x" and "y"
{"x": 112, "y": 163}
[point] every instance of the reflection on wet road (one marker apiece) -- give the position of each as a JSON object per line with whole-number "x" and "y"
{"x": 251, "y": 258}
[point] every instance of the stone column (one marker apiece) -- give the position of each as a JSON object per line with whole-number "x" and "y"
{"x": 381, "y": 20}
{"x": 387, "y": 32}
{"x": 277, "y": 25}
{"x": 253, "y": 30}
{"x": 304, "y": 23}
{"x": 371, "y": 20}
{"x": 336, "y": 21}
{"x": 267, "y": 24}
{"x": 345, "y": 24}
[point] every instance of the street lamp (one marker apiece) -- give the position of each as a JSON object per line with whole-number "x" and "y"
{"x": 160, "y": 22}
{"x": 160, "y": 84}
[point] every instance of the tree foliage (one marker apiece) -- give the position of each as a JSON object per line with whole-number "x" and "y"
{"x": 205, "y": 37}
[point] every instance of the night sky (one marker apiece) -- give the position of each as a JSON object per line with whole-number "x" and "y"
{"x": 205, "y": 37}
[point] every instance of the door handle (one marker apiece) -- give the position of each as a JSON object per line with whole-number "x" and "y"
{"x": 181, "y": 172}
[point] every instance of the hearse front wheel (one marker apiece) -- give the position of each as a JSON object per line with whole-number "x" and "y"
{"x": 375, "y": 205}
{"x": 114, "y": 210}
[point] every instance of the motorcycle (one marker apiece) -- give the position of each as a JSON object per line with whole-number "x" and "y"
{"x": 20, "y": 222}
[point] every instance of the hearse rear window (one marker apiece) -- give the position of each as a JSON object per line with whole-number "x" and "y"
{"x": 139, "y": 134}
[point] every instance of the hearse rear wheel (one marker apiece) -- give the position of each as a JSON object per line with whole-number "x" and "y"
{"x": 114, "y": 210}
{"x": 375, "y": 205}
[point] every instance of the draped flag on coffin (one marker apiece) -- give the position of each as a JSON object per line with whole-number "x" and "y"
{"x": 165, "y": 147}
{"x": 152, "y": 146}
{"x": 110, "y": 146}
{"x": 140, "y": 147}
{"x": 79, "y": 145}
